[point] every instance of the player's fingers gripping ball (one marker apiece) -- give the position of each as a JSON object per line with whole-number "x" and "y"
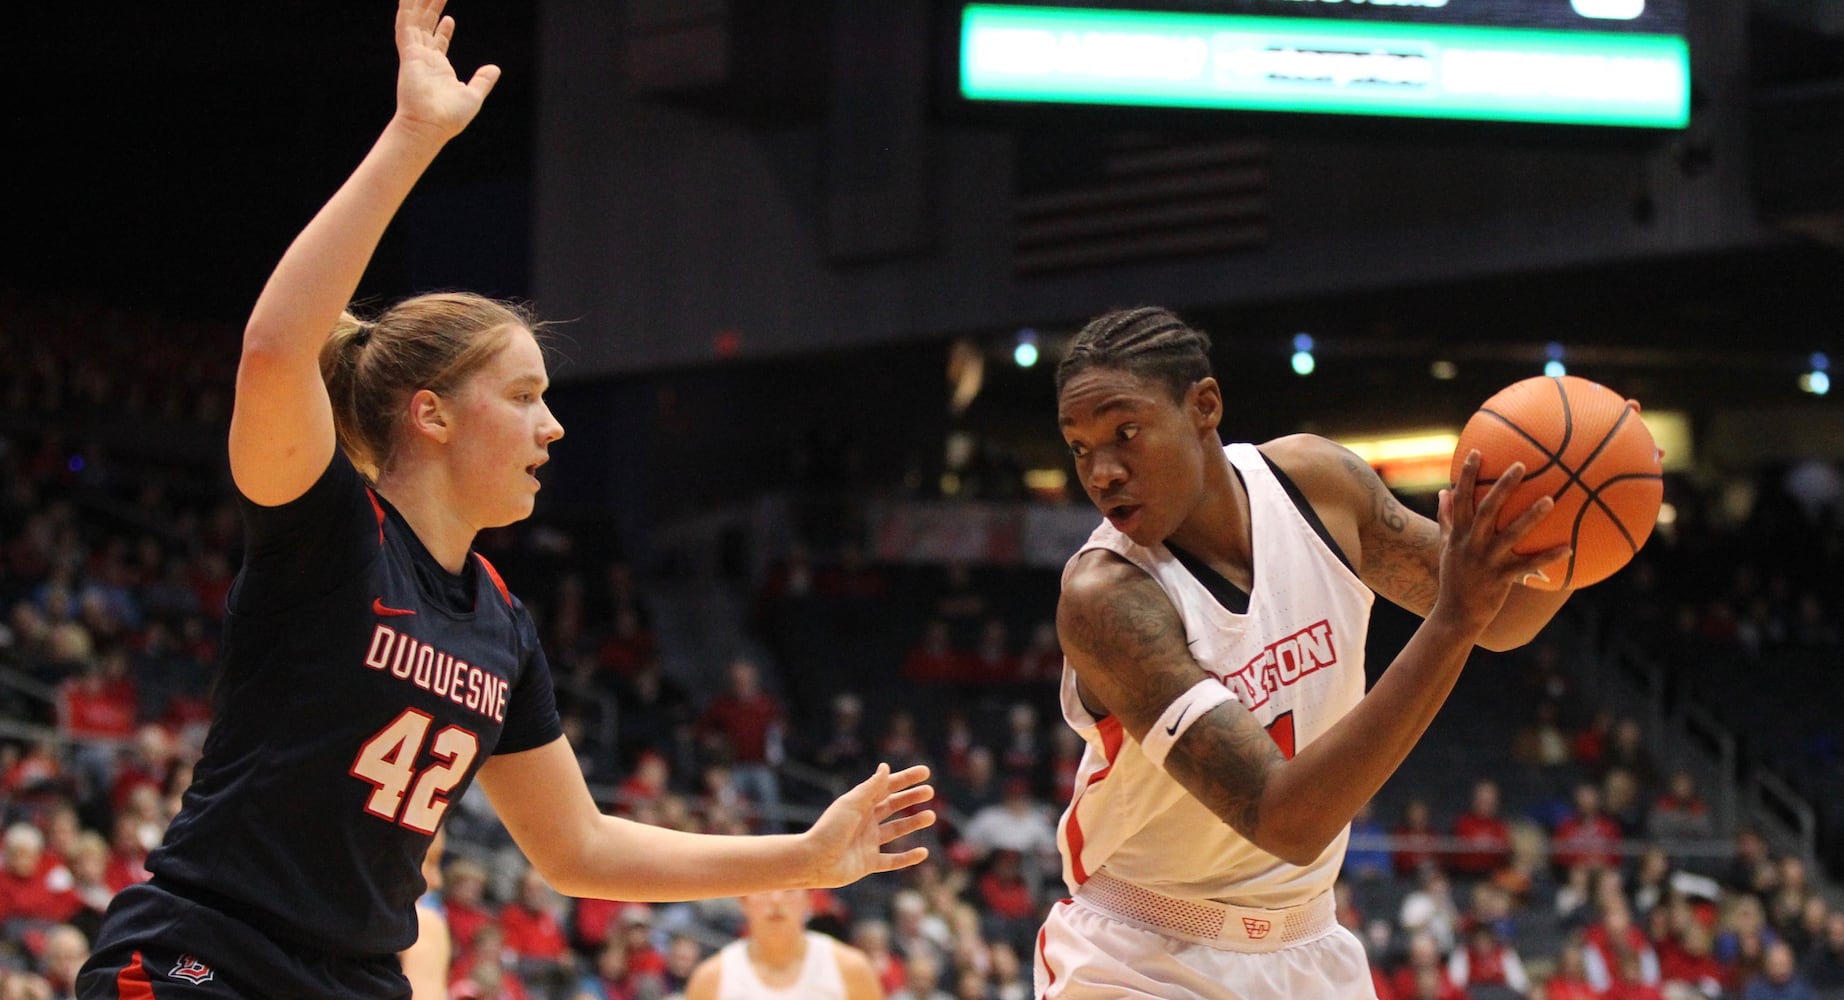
{"x": 1583, "y": 444}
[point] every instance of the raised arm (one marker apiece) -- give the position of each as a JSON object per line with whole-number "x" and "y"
{"x": 1127, "y": 645}
{"x": 541, "y": 798}
{"x": 1396, "y": 551}
{"x": 281, "y": 435}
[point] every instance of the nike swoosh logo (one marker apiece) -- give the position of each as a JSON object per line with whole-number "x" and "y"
{"x": 378, "y": 607}
{"x": 1172, "y": 730}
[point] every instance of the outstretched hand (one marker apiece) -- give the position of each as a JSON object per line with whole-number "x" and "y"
{"x": 849, "y": 837}
{"x": 430, "y": 94}
{"x": 1479, "y": 563}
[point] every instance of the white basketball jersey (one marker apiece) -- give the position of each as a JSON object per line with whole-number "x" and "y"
{"x": 1295, "y": 659}
{"x": 820, "y": 978}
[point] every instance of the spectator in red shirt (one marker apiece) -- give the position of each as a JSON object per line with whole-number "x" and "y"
{"x": 647, "y": 785}
{"x": 872, "y": 936}
{"x": 628, "y": 647}
{"x": 1689, "y": 960}
{"x": 1416, "y": 841}
{"x": 89, "y": 873}
{"x": 1587, "y": 836}
{"x": 1487, "y": 960}
{"x": 744, "y": 727}
{"x": 615, "y": 978}
{"x": 1680, "y": 813}
{"x": 1430, "y": 984}
{"x": 535, "y": 938}
{"x": 1022, "y": 751}
{"x": 128, "y": 848}
{"x": 991, "y": 662}
{"x": 1570, "y": 980}
{"x": 34, "y": 889}
{"x": 149, "y": 762}
{"x": 1486, "y": 833}
{"x": 1631, "y": 984}
{"x": 899, "y": 741}
{"x": 593, "y": 921}
{"x": 1007, "y": 906}
{"x": 933, "y": 659}
{"x": 851, "y": 577}
{"x": 62, "y": 828}
{"x": 464, "y": 886}
{"x": 488, "y": 978}
{"x": 1042, "y": 659}
{"x": 211, "y": 582}
{"x": 1611, "y": 941}
{"x": 845, "y": 746}
{"x": 99, "y": 703}
{"x": 64, "y": 951}
{"x": 35, "y": 770}
{"x": 643, "y": 958}
{"x": 1421, "y": 967}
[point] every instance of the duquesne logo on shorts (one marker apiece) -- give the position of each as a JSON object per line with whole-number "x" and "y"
{"x": 190, "y": 969}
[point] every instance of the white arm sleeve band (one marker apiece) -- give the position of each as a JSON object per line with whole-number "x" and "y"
{"x": 1178, "y": 716}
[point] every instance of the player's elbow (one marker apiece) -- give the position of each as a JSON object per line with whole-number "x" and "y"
{"x": 1504, "y": 638}
{"x": 566, "y": 870}
{"x": 1300, "y": 851}
{"x": 1502, "y": 644}
{"x": 1300, "y": 841}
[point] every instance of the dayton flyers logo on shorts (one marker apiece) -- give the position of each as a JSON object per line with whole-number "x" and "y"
{"x": 190, "y": 969}
{"x": 1256, "y": 929}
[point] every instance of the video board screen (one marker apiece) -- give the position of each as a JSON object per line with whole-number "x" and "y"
{"x": 1621, "y": 63}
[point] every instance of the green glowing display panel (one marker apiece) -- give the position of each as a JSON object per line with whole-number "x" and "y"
{"x": 1066, "y": 55}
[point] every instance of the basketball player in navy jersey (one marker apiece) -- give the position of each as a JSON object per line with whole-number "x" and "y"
{"x": 374, "y": 664}
{"x": 1213, "y": 627}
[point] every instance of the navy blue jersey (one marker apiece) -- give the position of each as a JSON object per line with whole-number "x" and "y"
{"x": 362, "y": 687}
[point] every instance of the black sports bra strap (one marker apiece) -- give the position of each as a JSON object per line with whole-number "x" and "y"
{"x": 1307, "y": 511}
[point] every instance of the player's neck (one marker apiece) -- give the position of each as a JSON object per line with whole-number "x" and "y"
{"x": 780, "y": 953}
{"x": 427, "y": 505}
{"x": 1217, "y": 531}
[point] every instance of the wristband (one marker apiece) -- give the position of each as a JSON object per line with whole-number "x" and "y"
{"x": 1178, "y": 716}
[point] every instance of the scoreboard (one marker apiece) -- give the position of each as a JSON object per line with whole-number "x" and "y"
{"x": 1618, "y": 63}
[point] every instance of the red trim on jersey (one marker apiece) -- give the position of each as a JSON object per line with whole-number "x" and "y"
{"x": 132, "y": 983}
{"x": 378, "y": 509}
{"x": 1112, "y": 735}
{"x": 1043, "y": 955}
{"x": 493, "y": 574}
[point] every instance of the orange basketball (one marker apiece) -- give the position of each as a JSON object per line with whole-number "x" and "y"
{"x": 1584, "y": 445}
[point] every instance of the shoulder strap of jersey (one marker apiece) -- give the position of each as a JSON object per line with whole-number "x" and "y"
{"x": 378, "y": 509}
{"x": 493, "y": 574}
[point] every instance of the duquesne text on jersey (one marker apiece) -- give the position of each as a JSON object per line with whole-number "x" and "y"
{"x": 1282, "y": 663}
{"x": 409, "y": 659}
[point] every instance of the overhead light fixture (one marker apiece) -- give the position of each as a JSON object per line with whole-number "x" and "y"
{"x": 1303, "y": 363}
{"x": 1817, "y": 381}
{"x": 1025, "y": 352}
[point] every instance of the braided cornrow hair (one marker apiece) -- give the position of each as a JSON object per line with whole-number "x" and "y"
{"x": 1146, "y": 341}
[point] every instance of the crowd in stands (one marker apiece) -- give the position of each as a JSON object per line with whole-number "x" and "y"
{"x": 1578, "y": 885}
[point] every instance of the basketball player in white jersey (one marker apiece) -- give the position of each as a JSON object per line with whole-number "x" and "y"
{"x": 1213, "y": 628}
{"x": 777, "y": 958}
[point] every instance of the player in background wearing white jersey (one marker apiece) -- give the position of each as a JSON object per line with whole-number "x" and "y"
{"x": 777, "y": 957}
{"x": 1213, "y": 629}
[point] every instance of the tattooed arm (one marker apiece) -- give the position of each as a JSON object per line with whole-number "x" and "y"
{"x": 1126, "y": 643}
{"x": 1396, "y": 551}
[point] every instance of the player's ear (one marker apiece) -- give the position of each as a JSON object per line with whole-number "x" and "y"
{"x": 1204, "y": 401}
{"x": 428, "y": 416}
